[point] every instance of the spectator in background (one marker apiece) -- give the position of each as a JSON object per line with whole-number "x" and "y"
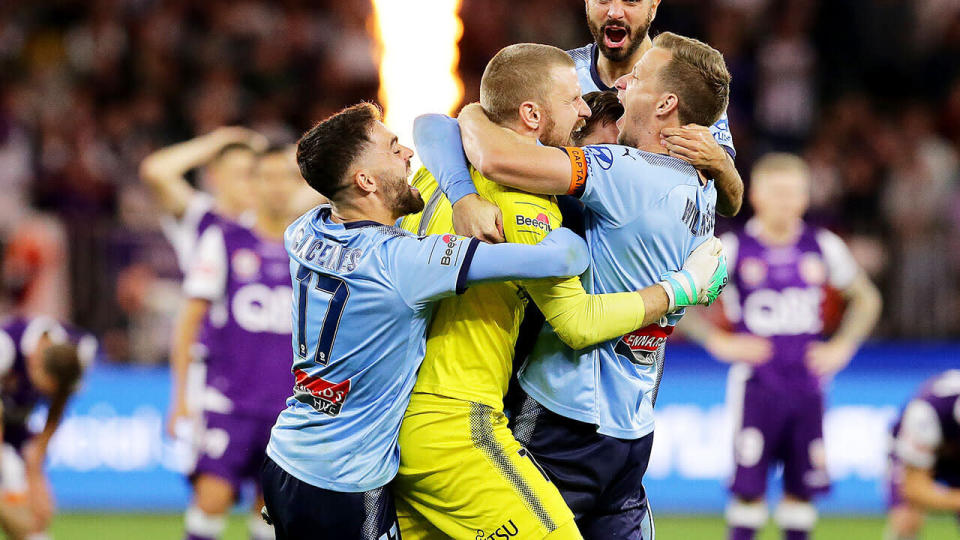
{"x": 921, "y": 186}
{"x": 786, "y": 98}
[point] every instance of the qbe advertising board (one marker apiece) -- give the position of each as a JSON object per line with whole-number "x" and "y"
{"x": 112, "y": 452}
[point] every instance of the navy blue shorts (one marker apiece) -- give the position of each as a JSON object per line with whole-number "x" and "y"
{"x": 600, "y": 477}
{"x": 300, "y": 511}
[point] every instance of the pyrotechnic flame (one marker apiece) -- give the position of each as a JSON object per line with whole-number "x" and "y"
{"x": 417, "y": 44}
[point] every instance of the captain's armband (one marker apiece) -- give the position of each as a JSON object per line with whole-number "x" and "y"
{"x": 578, "y": 170}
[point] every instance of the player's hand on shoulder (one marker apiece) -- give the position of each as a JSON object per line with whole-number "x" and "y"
{"x": 743, "y": 348}
{"x": 826, "y": 358}
{"x": 571, "y": 249}
{"x": 477, "y": 217}
{"x": 695, "y": 145}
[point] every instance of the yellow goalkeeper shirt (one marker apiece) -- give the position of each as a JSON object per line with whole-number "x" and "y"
{"x": 471, "y": 339}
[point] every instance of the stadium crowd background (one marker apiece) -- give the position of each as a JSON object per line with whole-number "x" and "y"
{"x": 867, "y": 90}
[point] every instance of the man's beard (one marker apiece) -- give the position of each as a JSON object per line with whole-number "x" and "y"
{"x": 404, "y": 200}
{"x": 551, "y": 137}
{"x": 624, "y": 53}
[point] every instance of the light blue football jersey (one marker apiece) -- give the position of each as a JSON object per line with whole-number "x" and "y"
{"x": 644, "y": 214}
{"x": 585, "y": 59}
{"x": 361, "y": 303}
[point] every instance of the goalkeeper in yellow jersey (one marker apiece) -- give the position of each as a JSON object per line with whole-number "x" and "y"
{"x": 462, "y": 473}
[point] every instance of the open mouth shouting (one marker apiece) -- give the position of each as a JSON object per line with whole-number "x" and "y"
{"x": 614, "y": 36}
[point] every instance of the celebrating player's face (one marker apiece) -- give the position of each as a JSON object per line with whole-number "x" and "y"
{"x": 566, "y": 110}
{"x": 390, "y": 165}
{"x": 619, "y": 26}
{"x": 641, "y": 92}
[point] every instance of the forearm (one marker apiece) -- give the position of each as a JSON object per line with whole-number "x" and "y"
{"x": 729, "y": 188}
{"x": 509, "y": 262}
{"x": 920, "y": 489}
{"x": 862, "y": 313}
{"x": 164, "y": 171}
{"x": 510, "y": 159}
{"x": 187, "y": 328}
{"x": 582, "y": 320}
{"x": 437, "y": 138}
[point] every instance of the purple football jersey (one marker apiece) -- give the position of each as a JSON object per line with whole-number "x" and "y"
{"x": 247, "y": 280}
{"x": 18, "y": 340}
{"x": 927, "y": 433}
{"x": 778, "y": 293}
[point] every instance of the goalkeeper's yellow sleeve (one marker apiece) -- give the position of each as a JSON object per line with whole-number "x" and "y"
{"x": 582, "y": 319}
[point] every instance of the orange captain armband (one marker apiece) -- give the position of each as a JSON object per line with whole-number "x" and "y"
{"x": 578, "y": 170}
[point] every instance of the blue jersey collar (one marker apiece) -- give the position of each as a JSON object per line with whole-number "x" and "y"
{"x": 324, "y": 215}
{"x": 594, "y": 54}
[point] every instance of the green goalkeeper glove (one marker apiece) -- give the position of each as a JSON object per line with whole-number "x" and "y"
{"x": 702, "y": 278}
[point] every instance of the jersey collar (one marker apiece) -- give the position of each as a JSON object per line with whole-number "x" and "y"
{"x": 324, "y": 215}
{"x": 594, "y": 74}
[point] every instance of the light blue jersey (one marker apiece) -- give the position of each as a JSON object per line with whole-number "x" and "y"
{"x": 585, "y": 59}
{"x": 361, "y": 303}
{"x": 644, "y": 214}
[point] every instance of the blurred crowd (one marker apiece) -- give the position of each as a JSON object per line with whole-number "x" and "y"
{"x": 868, "y": 91}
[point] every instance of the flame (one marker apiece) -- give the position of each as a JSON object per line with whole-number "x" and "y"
{"x": 417, "y": 44}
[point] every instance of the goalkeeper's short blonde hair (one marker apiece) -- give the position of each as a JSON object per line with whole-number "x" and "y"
{"x": 519, "y": 73}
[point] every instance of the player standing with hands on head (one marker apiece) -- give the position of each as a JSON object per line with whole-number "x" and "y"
{"x": 239, "y": 281}
{"x": 226, "y": 158}
{"x": 364, "y": 296}
{"x": 780, "y": 268}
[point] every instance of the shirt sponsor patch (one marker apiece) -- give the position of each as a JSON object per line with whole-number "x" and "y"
{"x": 542, "y": 222}
{"x": 638, "y": 346}
{"x": 324, "y": 396}
{"x": 446, "y": 250}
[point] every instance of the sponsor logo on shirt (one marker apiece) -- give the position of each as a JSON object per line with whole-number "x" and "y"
{"x": 324, "y": 396}
{"x": 753, "y": 271}
{"x": 788, "y": 312}
{"x": 541, "y": 222}
{"x": 640, "y": 345}
{"x": 602, "y": 155}
{"x": 507, "y": 530}
{"x": 451, "y": 242}
{"x": 245, "y": 264}
{"x": 812, "y": 269}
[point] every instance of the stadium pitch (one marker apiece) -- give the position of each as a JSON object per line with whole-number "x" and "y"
{"x": 167, "y": 526}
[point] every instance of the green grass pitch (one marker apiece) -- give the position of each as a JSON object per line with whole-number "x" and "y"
{"x": 169, "y": 527}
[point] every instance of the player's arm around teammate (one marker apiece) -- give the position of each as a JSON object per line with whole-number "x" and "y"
{"x": 580, "y": 319}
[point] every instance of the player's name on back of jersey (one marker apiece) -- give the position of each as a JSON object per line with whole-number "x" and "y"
{"x": 699, "y": 223}
{"x": 325, "y": 253}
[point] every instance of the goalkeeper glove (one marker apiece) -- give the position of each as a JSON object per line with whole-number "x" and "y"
{"x": 702, "y": 278}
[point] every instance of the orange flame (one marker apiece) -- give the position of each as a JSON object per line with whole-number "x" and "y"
{"x": 417, "y": 44}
